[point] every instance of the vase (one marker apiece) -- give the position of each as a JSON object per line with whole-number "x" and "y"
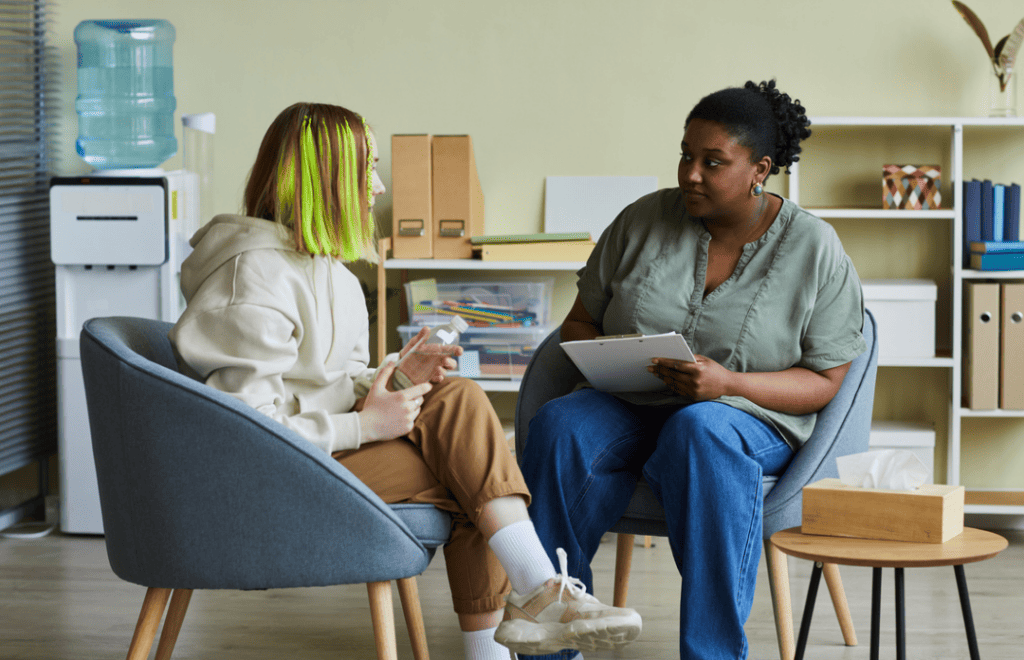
{"x": 1003, "y": 94}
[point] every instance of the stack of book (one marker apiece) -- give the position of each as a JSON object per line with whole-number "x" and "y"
{"x": 992, "y": 226}
{"x": 568, "y": 246}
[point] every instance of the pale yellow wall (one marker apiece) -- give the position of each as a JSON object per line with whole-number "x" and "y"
{"x": 586, "y": 87}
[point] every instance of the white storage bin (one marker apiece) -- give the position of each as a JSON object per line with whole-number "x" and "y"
{"x": 497, "y": 353}
{"x": 507, "y": 304}
{"x": 916, "y": 437}
{"x": 905, "y": 313}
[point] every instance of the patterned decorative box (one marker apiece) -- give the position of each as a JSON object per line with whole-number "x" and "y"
{"x": 911, "y": 187}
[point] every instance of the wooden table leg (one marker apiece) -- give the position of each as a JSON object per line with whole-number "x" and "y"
{"x": 876, "y": 609}
{"x": 965, "y": 605}
{"x": 805, "y": 622}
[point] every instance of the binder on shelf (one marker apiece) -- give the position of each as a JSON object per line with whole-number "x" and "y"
{"x": 987, "y": 228}
{"x": 458, "y": 200}
{"x": 1011, "y": 348}
{"x": 981, "y": 346}
{"x": 998, "y": 261}
{"x": 551, "y": 251}
{"x": 972, "y": 215}
{"x": 412, "y": 235}
{"x": 998, "y": 201}
{"x": 1012, "y": 213}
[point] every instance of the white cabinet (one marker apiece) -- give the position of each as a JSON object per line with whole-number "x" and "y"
{"x": 931, "y": 138}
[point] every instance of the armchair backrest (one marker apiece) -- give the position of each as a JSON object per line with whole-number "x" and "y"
{"x": 198, "y": 490}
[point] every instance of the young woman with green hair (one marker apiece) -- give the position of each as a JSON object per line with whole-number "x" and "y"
{"x": 276, "y": 319}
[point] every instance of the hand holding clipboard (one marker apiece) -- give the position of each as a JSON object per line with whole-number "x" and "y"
{"x": 619, "y": 364}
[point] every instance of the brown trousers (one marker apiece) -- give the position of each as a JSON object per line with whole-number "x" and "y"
{"x": 457, "y": 459}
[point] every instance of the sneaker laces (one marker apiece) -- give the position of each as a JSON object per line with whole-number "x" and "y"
{"x": 575, "y": 586}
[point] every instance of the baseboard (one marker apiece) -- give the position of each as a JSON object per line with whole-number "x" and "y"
{"x": 993, "y": 521}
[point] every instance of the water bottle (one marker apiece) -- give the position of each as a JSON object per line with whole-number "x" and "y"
{"x": 125, "y": 98}
{"x": 197, "y": 133}
{"x": 423, "y": 359}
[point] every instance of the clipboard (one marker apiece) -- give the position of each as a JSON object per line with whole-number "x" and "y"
{"x": 620, "y": 364}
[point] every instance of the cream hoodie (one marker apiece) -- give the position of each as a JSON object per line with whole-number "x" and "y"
{"x": 285, "y": 332}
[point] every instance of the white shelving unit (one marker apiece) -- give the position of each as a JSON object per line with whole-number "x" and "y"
{"x": 979, "y": 501}
{"x": 488, "y": 384}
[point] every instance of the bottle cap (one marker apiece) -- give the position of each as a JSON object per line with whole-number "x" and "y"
{"x": 459, "y": 323}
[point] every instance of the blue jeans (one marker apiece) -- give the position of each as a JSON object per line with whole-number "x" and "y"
{"x": 705, "y": 461}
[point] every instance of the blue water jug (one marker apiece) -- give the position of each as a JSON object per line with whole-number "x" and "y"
{"x": 125, "y": 98}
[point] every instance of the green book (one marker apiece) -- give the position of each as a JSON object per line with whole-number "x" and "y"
{"x": 530, "y": 238}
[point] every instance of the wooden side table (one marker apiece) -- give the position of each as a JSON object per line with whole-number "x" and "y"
{"x": 973, "y": 545}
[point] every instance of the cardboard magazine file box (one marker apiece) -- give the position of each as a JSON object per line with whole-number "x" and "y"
{"x": 458, "y": 200}
{"x": 933, "y": 513}
{"x": 412, "y": 232}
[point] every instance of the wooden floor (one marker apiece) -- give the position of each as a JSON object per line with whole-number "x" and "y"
{"x": 59, "y": 600}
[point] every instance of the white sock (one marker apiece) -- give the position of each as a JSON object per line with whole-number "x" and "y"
{"x": 522, "y": 556}
{"x": 480, "y": 645}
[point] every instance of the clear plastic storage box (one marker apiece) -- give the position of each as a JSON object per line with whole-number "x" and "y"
{"x": 499, "y": 353}
{"x": 511, "y": 304}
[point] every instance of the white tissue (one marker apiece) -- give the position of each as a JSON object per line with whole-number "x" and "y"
{"x": 890, "y": 469}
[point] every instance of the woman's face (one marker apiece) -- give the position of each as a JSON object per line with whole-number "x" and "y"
{"x": 715, "y": 172}
{"x": 376, "y": 185}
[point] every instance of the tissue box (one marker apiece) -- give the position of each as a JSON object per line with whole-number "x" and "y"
{"x": 911, "y": 187}
{"x": 933, "y": 513}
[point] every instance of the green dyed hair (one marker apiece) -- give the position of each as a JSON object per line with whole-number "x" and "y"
{"x": 313, "y": 174}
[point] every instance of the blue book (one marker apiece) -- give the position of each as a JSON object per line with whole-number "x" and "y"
{"x": 1011, "y": 213}
{"x": 998, "y": 201}
{"x": 998, "y": 261}
{"x": 972, "y": 216}
{"x": 996, "y": 247}
{"x": 987, "y": 229}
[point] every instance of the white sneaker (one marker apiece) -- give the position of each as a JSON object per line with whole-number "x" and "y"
{"x": 560, "y": 614}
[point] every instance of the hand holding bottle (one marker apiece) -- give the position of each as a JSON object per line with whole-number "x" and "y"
{"x": 429, "y": 355}
{"x": 386, "y": 415}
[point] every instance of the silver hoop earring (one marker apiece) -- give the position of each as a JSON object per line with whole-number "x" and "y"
{"x": 757, "y": 190}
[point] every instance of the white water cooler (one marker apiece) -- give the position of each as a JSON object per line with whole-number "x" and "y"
{"x": 117, "y": 243}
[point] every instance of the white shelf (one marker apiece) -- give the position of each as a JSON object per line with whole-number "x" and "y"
{"x": 476, "y": 264}
{"x": 951, "y": 131}
{"x": 998, "y": 509}
{"x": 883, "y": 214}
{"x": 493, "y": 385}
{"x": 1006, "y": 414}
{"x": 993, "y": 274}
{"x": 916, "y": 121}
{"x": 915, "y": 362}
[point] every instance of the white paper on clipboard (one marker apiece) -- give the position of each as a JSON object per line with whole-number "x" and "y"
{"x": 620, "y": 364}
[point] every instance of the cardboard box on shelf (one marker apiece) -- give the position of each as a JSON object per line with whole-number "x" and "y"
{"x": 412, "y": 231}
{"x": 458, "y": 199}
{"x": 904, "y": 311}
{"x": 933, "y": 513}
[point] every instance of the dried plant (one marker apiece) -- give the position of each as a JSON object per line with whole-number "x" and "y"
{"x": 1004, "y": 53}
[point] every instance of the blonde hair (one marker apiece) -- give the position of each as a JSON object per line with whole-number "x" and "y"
{"x": 313, "y": 174}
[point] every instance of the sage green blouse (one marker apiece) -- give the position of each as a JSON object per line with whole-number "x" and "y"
{"x": 794, "y": 298}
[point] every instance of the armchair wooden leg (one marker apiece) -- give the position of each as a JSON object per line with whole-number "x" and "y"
{"x": 835, "y": 588}
{"x": 623, "y": 560}
{"x": 149, "y": 620}
{"x": 782, "y": 604}
{"x": 409, "y": 593}
{"x": 172, "y": 623}
{"x": 383, "y": 616}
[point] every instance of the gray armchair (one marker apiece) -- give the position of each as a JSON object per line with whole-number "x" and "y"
{"x": 200, "y": 491}
{"x": 842, "y": 428}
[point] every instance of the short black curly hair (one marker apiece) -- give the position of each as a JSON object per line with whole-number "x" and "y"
{"x": 761, "y": 118}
